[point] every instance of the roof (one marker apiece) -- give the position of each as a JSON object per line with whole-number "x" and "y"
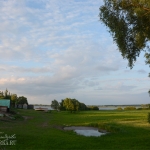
{"x": 5, "y": 102}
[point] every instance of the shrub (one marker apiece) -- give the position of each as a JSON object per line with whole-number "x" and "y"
{"x": 119, "y": 108}
{"x": 130, "y": 108}
{"x": 92, "y": 108}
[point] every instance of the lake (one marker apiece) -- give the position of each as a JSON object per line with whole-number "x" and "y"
{"x": 43, "y": 106}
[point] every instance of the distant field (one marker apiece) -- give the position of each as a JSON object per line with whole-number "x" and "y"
{"x": 43, "y": 131}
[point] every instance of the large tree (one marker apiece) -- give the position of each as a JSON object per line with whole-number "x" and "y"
{"x": 22, "y": 100}
{"x": 128, "y": 22}
{"x": 71, "y": 104}
{"x": 55, "y": 104}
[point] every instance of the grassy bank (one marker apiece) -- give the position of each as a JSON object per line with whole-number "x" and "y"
{"x": 43, "y": 131}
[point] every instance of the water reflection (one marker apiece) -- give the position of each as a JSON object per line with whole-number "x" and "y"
{"x": 89, "y": 132}
{"x": 86, "y": 131}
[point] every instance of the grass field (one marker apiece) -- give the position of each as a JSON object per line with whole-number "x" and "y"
{"x": 43, "y": 131}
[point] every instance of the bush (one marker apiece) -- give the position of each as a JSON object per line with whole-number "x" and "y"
{"x": 92, "y": 108}
{"x": 142, "y": 108}
{"x": 130, "y": 108}
{"x": 119, "y": 108}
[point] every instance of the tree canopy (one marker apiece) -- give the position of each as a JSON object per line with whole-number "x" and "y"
{"x": 128, "y": 22}
{"x": 5, "y": 94}
{"x": 13, "y": 97}
{"x": 73, "y": 105}
{"x": 55, "y": 104}
{"x": 22, "y": 100}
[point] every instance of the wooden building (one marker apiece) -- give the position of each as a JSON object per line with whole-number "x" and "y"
{"x": 4, "y": 105}
{"x": 24, "y": 106}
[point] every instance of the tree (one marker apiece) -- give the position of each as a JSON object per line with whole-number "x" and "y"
{"x": 71, "y": 104}
{"x": 22, "y": 100}
{"x": 1, "y": 95}
{"x": 13, "y": 99}
{"x": 82, "y": 106}
{"x": 128, "y": 22}
{"x": 61, "y": 107}
{"x": 6, "y": 95}
{"x": 76, "y": 104}
{"x": 93, "y": 108}
{"x": 55, "y": 104}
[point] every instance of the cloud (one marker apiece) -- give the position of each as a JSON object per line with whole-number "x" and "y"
{"x": 142, "y": 71}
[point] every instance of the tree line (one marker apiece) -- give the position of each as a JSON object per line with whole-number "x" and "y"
{"x": 13, "y": 98}
{"x": 71, "y": 105}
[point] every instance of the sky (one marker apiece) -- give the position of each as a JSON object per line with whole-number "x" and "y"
{"x": 54, "y": 49}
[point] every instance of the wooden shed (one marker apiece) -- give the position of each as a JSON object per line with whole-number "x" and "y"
{"x": 22, "y": 106}
{"x": 4, "y": 105}
{"x": 25, "y": 106}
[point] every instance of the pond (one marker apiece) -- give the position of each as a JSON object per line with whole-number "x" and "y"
{"x": 85, "y": 131}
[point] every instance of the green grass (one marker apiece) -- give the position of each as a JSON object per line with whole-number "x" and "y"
{"x": 40, "y": 131}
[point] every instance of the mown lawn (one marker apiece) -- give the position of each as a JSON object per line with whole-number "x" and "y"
{"x": 43, "y": 131}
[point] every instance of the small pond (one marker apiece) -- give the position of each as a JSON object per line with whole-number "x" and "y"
{"x": 86, "y": 131}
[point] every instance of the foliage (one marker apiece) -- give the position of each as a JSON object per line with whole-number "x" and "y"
{"x": 55, "y": 104}
{"x": 82, "y": 106}
{"x": 5, "y": 94}
{"x": 93, "y": 108}
{"x": 71, "y": 104}
{"x": 22, "y": 100}
{"x": 128, "y": 22}
{"x": 1, "y": 95}
{"x": 145, "y": 106}
{"x": 130, "y": 108}
{"x": 119, "y": 108}
{"x": 61, "y": 107}
{"x": 13, "y": 97}
{"x": 148, "y": 106}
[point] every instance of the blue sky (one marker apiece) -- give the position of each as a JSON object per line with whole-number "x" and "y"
{"x": 52, "y": 49}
